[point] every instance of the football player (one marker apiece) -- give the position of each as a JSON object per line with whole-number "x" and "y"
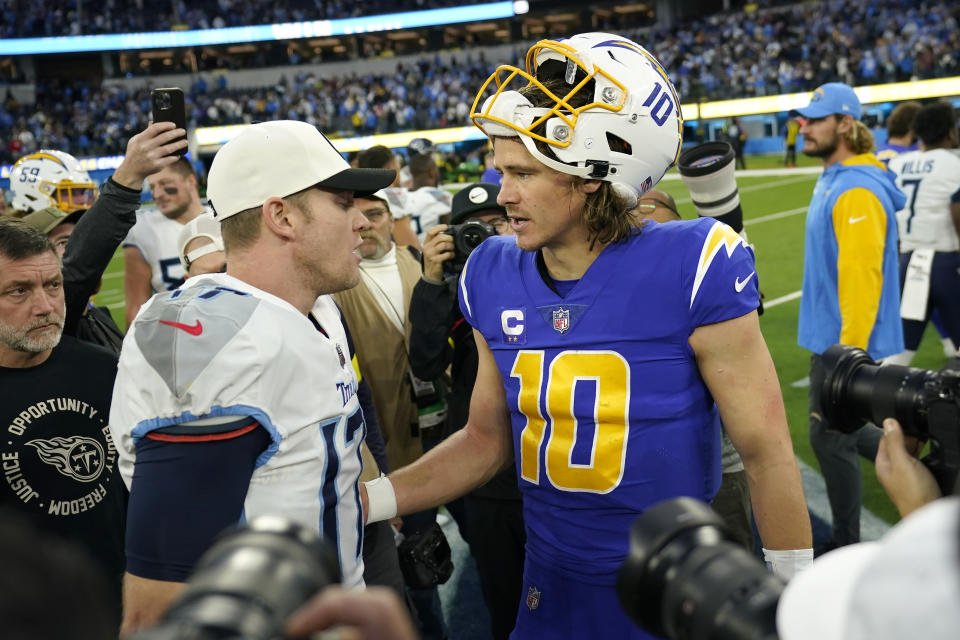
{"x": 603, "y": 345}
{"x": 235, "y": 394}
{"x": 150, "y": 257}
{"x": 929, "y": 227}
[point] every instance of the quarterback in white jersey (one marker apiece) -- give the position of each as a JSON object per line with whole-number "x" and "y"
{"x": 929, "y": 226}
{"x": 235, "y": 395}
{"x": 171, "y": 385}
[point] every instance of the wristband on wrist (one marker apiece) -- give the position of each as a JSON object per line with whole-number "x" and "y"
{"x": 787, "y": 563}
{"x": 381, "y": 500}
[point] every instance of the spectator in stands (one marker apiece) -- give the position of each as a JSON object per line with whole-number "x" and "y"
{"x": 850, "y": 284}
{"x": 150, "y": 252}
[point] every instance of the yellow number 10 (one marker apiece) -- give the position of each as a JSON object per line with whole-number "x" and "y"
{"x": 611, "y": 373}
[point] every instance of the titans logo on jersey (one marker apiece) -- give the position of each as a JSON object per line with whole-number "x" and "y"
{"x": 609, "y": 411}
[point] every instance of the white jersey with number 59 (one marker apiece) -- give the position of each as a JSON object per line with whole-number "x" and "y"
{"x": 931, "y": 182}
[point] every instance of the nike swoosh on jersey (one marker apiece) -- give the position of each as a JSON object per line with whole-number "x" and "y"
{"x": 192, "y": 329}
{"x": 853, "y": 220}
{"x": 738, "y": 285}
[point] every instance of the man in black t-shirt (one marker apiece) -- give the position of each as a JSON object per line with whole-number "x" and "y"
{"x": 57, "y": 456}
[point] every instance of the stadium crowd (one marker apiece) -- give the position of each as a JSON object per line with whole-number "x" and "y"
{"x": 785, "y": 49}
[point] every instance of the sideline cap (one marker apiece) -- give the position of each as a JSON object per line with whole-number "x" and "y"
{"x": 831, "y": 98}
{"x": 280, "y": 158}
{"x": 46, "y": 220}
{"x": 903, "y": 586}
{"x": 480, "y": 196}
{"x": 203, "y": 226}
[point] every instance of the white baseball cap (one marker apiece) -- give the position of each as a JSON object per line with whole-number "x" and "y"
{"x": 906, "y": 585}
{"x": 280, "y": 158}
{"x": 203, "y": 226}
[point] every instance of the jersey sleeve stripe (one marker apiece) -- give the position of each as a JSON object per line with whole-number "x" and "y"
{"x": 203, "y": 437}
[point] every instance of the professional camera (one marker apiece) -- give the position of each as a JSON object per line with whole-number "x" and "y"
{"x": 925, "y": 403}
{"x": 467, "y": 236}
{"x": 708, "y": 172}
{"x": 248, "y": 583}
{"x": 685, "y": 578}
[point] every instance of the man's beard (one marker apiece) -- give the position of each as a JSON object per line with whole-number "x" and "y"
{"x": 824, "y": 151}
{"x": 383, "y": 247}
{"x": 18, "y": 339}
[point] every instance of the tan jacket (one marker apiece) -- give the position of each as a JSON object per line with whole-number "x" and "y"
{"x": 382, "y": 352}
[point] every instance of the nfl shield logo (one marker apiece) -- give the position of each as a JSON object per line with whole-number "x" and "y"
{"x": 343, "y": 360}
{"x": 533, "y": 598}
{"x": 561, "y": 320}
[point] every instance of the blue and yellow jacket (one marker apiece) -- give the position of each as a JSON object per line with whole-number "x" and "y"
{"x": 851, "y": 290}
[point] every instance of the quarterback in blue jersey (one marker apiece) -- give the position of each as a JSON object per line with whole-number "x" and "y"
{"x": 603, "y": 343}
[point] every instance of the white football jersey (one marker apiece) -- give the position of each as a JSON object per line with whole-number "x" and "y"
{"x": 220, "y": 347}
{"x": 156, "y": 237}
{"x": 931, "y": 181}
{"x": 424, "y": 206}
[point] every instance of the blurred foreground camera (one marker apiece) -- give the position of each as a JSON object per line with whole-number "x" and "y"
{"x": 685, "y": 578}
{"x": 248, "y": 583}
{"x": 857, "y": 390}
{"x": 466, "y": 237}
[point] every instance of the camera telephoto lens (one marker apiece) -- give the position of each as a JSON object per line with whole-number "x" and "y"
{"x": 685, "y": 578}
{"x": 857, "y": 390}
{"x": 248, "y": 583}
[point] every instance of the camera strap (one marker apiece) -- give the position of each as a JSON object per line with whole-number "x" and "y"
{"x": 916, "y": 285}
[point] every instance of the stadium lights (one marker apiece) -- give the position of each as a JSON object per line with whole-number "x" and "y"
{"x": 265, "y": 32}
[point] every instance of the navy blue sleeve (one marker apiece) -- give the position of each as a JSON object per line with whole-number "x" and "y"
{"x": 183, "y": 494}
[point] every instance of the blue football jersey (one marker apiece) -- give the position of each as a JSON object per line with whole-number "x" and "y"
{"x": 609, "y": 412}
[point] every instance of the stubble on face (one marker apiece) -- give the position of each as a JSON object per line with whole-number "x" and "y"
{"x": 31, "y": 338}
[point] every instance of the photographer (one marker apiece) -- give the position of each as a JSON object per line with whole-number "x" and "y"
{"x": 904, "y": 585}
{"x": 440, "y": 337}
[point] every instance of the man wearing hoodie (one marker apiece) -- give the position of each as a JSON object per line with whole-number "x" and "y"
{"x": 850, "y": 280}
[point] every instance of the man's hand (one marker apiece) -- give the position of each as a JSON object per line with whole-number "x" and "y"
{"x": 373, "y": 614}
{"x": 437, "y": 249}
{"x": 148, "y": 152}
{"x": 906, "y": 480}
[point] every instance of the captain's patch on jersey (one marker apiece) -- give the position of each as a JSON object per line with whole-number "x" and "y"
{"x": 719, "y": 236}
{"x": 513, "y": 326}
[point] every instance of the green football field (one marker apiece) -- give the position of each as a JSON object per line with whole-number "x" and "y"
{"x": 774, "y": 209}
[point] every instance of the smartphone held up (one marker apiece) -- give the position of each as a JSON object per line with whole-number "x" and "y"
{"x": 168, "y": 106}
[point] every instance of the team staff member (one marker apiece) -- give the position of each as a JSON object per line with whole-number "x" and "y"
{"x": 603, "y": 347}
{"x": 850, "y": 285}
{"x": 929, "y": 226}
{"x": 60, "y": 465}
{"x": 235, "y": 395}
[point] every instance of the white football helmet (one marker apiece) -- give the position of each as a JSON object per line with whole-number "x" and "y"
{"x": 627, "y": 131}
{"x": 50, "y": 178}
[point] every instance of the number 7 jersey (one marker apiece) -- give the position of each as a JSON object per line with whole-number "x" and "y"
{"x": 608, "y": 410}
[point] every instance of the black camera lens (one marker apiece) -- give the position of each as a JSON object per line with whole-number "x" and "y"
{"x": 163, "y": 101}
{"x": 249, "y": 582}
{"x": 686, "y": 579}
{"x": 857, "y": 390}
{"x": 466, "y": 237}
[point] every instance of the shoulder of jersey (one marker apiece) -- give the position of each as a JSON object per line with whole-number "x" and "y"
{"x": 202, "y": 312}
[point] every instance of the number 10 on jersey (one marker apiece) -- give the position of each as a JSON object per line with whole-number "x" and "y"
{"x": 610, "y": 374}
